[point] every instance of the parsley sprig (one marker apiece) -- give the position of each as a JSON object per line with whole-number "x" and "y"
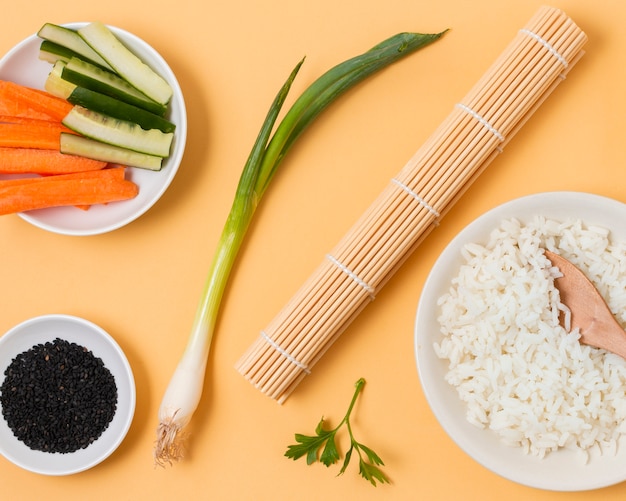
{"x": 322, "y": 447}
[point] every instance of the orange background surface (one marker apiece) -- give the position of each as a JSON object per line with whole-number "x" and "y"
{"x": 142, "y": 282}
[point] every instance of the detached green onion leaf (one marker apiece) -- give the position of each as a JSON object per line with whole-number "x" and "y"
{"x": 185, "y": 388}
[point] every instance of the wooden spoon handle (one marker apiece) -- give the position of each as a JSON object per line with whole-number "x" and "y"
{"x": 589, "y": 311}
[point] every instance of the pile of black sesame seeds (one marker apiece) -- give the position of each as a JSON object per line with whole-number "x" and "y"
{"x": 58, "y": 397}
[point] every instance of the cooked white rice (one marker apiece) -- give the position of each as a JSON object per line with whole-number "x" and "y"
{"x": 519, "y": 372}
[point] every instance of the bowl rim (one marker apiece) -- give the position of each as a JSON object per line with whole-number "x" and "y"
{"x": 43, "y": 328}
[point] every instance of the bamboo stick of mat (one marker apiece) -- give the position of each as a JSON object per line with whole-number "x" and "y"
{"x": 475, "y": 132}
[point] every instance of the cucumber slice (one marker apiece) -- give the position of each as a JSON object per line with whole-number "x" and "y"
{"x": 52, "y": 52}
{"x": 118, "y": 109}
{"x": 92, "y": 77}
{"x": 125, "y": 63}
{"x": 70, "y": 39}
{"x": 56, "y": 85}
{"x": 118, "y": 132}
{"x": 72, "y": 144}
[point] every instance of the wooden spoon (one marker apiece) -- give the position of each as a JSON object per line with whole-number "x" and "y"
{"x": 590, "y": 313}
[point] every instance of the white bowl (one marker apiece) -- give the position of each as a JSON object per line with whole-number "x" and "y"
{"x": 77, "y": 330}
{"x": 559, "y": 471}
{"x": 22, "y": 65}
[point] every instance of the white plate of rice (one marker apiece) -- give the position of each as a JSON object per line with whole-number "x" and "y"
{"x": 515, "y": 390}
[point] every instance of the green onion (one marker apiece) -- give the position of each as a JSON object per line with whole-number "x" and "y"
{"x": 185, "y": 388}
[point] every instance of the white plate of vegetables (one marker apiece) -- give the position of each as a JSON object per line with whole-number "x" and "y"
{"x": 27, "y": 64}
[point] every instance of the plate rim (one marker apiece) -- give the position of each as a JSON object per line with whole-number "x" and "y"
{"x": 563, "y": 201}
{"x": 180, "y": 138}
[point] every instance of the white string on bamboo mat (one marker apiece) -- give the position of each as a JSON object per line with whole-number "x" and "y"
{"x": 485, "y": 123}
{"x": 419, "y": 199}
{"x": 369, "y": 289}
{"x": 547, "y": 45}
{"x": 284, "y": 353}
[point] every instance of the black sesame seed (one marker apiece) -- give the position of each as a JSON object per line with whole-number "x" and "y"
{"x": 58, "y": 397}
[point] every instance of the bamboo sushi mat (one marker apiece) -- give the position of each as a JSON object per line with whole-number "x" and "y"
{"x": 414, "y": 201}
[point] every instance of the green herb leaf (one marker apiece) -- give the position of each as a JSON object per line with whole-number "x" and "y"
{"x": 371, "y": 455}
{"x": 325, "y": 440}
{"x": 306, "y": 446}
{"x": 372, "y": 473}
{"x": 346, "y": 461}
{"x": 319, "y": 429}
{"x": 330, "y": 455}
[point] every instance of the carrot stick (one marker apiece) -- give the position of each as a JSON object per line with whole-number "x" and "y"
{"x": 19, "y": 100}
{"x": 112, "y": 174}
{"x": 85, "y": 188}
{"x": 44, "y": 161}
{"x": 111, "y": 167}
{"x": 42, "y": 136}
{"x": 11, "y": 119}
